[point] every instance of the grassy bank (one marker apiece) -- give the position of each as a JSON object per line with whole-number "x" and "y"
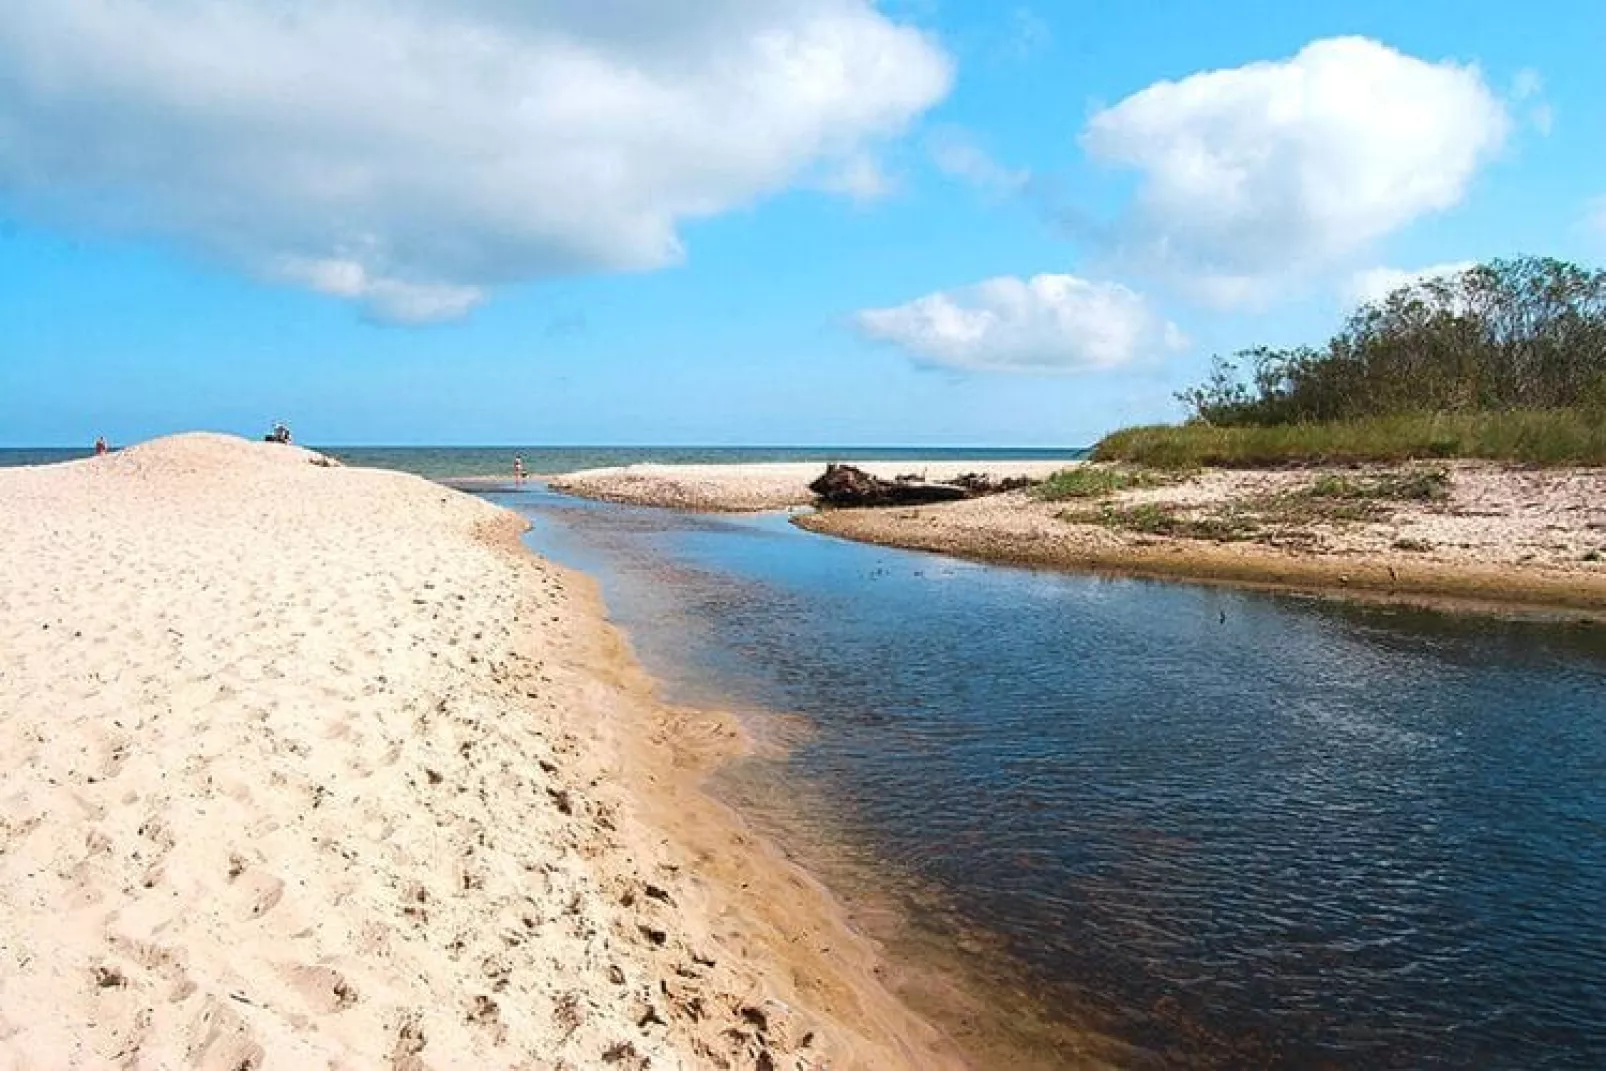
{"x": 1537, "y": 436}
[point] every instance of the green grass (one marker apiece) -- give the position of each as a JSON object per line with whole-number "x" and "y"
{"x": 1097, "y": 481}
{"x": 1536, "y": 436}
{"x": 1153, "y": 518}
{"x": 1418, "y": 485}
{"x": 1281, "y": 517}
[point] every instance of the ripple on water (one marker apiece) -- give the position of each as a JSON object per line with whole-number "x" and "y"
{"x": 1306, "y": 834}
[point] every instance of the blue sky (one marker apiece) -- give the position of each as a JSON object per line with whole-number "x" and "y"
{"x": 743, "y": 221}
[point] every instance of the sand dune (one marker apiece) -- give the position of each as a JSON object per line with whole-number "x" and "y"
{"x": 308, "y": 767}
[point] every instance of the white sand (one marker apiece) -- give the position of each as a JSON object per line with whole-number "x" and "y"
{"x": 302, "y": 767}
{"x": 1506, "y": 535}
{"x": 763, "y": 486}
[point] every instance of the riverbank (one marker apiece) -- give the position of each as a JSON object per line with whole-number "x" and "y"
{"x": 1491, "y": 535}
{"x": 764, "y": 486}
{"x": 1486, "y": 535}
{"x": 306, "y": 764}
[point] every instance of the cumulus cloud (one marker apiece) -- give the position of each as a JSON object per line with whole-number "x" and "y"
{"x": 1049, "y": 323}
{"x": 413, "y": 154}
{"x": 1376, "y": 284}
{"x": 1257, "y": 173}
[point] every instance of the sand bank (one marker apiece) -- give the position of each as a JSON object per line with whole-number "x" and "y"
{"x": 1504, "y": 536}
{"x": 303, "y": 766}
{"x": 748, "y": 488}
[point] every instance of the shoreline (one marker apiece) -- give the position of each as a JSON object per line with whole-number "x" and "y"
{"x": 1506, "y": 540}
{"x": 1465, "y": 589}
{"x": 760, "y": 486}
{"x": 333, "y": 772}
{"x": 974, "y": 995}
{"x": 765, "y": 899}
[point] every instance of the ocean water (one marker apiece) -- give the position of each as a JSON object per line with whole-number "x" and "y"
{"x": 1226, "y": 828}
{"x": 40, "y": 455}
{"x": 459, "y": 462}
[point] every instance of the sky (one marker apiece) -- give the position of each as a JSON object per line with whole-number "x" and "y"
{"x": 745, "y": 222}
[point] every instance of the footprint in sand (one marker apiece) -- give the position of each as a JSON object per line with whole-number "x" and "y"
{"x": 221, "y": 1041}
{"x": 324, "y": 989}
{"x": 259, "y": 892}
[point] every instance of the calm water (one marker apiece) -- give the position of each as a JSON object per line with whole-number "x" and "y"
{"x": 1230, "y": 828}
{"x": 449, "y": 462}
{"x": 40, "y": 455}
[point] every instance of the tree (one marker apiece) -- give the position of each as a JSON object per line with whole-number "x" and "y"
{"x": 1528, "y": 333}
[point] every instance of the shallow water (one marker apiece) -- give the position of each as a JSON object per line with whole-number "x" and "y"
{"x": 1230, "y": 828}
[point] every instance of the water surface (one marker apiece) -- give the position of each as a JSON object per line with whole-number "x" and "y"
{"x": 1230, "y": 828}
{"x": 463, "y": 461}
{"x": 458, "y": 462}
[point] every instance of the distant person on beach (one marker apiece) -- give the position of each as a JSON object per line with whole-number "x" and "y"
{"x": 100, "y": 446}
{"x": 518, "y": 468}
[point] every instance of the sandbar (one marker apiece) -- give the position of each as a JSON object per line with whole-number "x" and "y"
{"x": 759, "y": 486}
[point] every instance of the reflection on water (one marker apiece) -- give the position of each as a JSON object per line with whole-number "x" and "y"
{"x": 1228, "y": 827}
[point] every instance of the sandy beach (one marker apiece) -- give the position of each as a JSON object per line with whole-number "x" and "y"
{"x": 1502, "y": 537}
{"x": 761, "y": 486}
{"x": 304, "y": 766}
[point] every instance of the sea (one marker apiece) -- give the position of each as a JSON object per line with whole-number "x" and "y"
{"x": 466, "y": 462}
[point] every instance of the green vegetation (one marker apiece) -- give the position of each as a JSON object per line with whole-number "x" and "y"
{"x": 1505, "y": 361}
{"x": 1097, "y": 481}
{"x": 1417, "y": 485}
{"x": 1283, "y": 517}
{"x": 1167, "y": 520}
{"x": 1543, "y": 437}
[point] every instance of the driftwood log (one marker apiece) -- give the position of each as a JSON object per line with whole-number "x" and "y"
{"x": 845, "y": 485}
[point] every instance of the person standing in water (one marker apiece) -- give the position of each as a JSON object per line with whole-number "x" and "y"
{"x": 518, "y": 468}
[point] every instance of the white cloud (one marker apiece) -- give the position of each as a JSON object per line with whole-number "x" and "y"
{"x": 1049, "y": 323}
{"x": 956, "y": 153}
{"x": 389, "y": 299}
{"x": 1376, "y": 284}
{"x": 414, "y": 154}
{"x": 1259, "y": 173}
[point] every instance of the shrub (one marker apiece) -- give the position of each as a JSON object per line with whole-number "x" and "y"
{"x": 1528, "y": 333}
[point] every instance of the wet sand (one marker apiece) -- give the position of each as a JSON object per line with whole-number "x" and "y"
{"x": 304, "y": 766}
